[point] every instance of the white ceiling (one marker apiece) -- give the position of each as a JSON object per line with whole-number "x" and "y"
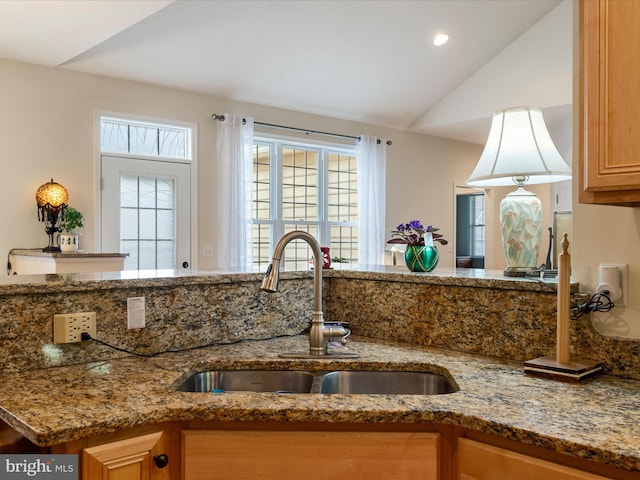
{"x": 363, "y": 60}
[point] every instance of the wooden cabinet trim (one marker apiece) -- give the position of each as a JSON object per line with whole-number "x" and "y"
{"x": 608, "y": 170}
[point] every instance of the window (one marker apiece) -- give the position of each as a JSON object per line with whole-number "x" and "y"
{"x": 144, "y": 138}
{"x": 300, "y": 186}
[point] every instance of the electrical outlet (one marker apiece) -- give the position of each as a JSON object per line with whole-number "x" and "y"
{"x": 620, "y": 280}
{"x": 68, "y": 327}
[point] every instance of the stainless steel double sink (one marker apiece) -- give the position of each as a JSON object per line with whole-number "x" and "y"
{"x": 297, "y": 381}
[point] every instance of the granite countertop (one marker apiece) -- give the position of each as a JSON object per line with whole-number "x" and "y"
{"x": 469, "y": 277}
{"x": 589, "y": 420}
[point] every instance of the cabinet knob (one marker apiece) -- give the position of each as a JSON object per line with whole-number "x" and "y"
{"x": 161, "y": 460}
{"x": 185, "y": 264}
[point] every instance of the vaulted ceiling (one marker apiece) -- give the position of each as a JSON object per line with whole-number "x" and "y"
{"x": 369, "y": 61}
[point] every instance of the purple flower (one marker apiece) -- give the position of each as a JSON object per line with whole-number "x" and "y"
{"x": 412, "y": 233}
{"x": 416, "y": 225}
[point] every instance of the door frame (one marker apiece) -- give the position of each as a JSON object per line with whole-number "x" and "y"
{"x": 193, "y": 201}
{"x": 489, "y": 221}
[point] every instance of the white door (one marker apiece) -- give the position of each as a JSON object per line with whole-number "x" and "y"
{"x": 146, "y": 212}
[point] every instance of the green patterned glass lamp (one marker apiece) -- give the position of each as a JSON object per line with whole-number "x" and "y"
{"x": 519, "y": 150}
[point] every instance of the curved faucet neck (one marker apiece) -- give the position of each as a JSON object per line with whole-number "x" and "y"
{"x": 317, "y": 261}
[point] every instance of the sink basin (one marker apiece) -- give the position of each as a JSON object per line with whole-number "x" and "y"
{"x": 295, "y": 381}
{"x": 373, "y": 382}
{"x": 220, "y": 381}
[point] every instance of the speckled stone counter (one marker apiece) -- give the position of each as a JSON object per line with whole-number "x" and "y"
{"x": 467, "y": 310}
{"x": 589, "y": 420}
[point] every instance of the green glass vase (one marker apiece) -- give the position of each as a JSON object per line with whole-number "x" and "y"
{"x": 421, "y": 258}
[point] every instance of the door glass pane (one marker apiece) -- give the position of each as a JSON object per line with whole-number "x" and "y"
{"x": 147, "y": 253}
{"x": 129, "y": 191}
{"x": 165, "y": 224}
{"x": 147, "y": 232}
{"x": 165, "y": 193}
{"x": 128, "y": 223}
{"x": 147, "y": 192}
{"x": 147, "y": 224}
{"x": 165, "y": 249}
{"x": 131, "y": 247}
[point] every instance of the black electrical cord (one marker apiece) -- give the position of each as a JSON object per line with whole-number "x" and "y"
{"x": 599, "y": 302}
{"x": 9, "y": 266}
{"x": 85, "y": 336}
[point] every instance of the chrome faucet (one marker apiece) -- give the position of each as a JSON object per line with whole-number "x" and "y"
{"x": 320, "y": 334}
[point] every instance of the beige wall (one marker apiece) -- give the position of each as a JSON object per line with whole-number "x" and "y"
{"x": 47, "y": 128}
{"x": 603, "y": 234}
{"x": 47, "y": 121}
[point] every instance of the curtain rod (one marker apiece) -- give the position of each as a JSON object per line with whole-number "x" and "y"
{"x": 216, "y": 116}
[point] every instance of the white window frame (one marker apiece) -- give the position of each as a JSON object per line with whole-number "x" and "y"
{"x": 192, "y": 161}
{"x": 323, "y": 148}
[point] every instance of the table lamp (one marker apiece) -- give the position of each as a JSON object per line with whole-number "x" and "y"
{"x": 51, "y": 198}
{"x": 519, "y": 150}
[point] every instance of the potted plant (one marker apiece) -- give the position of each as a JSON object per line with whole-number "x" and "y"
{"x": 68, "y": 239}
{"x": 420, "y": 255}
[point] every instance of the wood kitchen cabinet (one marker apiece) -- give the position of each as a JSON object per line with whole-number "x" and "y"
{"x": 480, "y": 461}
{"x": 609, "y": 102}
{"x": 312, "y": 455}
{"x": 228, "y": 450}
{"x": 137, "y": 458}
{"x": 134, "y": 454}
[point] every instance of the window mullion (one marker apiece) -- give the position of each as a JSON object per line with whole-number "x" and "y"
{"x": 276, "y": 192}
{"x": 323, "y": 198}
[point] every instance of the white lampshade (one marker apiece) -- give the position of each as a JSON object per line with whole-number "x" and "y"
{"x": 519, "y": 150}
{"x": 519, "y": 145}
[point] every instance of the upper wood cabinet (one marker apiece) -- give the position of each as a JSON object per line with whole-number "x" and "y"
{"x": 609, "y": 102}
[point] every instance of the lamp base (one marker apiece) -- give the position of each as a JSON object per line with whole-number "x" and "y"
{"x": 521, "y": 226}
{"x": 549, "y": 367}
{"x": 521, "y": 272}
{"x": 51, "y": 249}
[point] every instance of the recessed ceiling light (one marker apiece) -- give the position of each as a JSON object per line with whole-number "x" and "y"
{"x": 441, "y": 39}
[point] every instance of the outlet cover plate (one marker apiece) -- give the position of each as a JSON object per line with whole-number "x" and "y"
{"x": 624, "y": 280}
{"x": 68, "y": 327}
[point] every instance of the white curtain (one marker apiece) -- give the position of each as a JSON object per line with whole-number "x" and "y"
{"x": 372, "y": 170}
{"x": 234, "y": 167}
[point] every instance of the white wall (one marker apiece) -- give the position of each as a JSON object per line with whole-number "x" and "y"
{"x": 47, "y": 129}
{"x": 535, "y": 69}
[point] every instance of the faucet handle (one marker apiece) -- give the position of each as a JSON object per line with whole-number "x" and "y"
{"x": 336, "y": 323}
{"x": 344, "y": 339}
{"x": 333, "y": 330}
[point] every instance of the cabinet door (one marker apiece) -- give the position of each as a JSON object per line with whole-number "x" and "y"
{"x": 609, "y": 101}
{"x": 235, "y": 455}
{"x": 129, "y": 459}
{"x": 479, "y": 461}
